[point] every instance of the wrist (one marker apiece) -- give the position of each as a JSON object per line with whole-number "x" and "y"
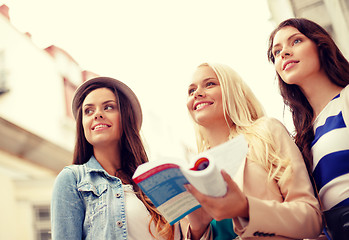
{"x": 197, "y": 233}
{"x": 245, "y": 209}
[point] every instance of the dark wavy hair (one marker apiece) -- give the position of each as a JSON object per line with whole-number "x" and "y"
{"x": 332, "y": 62}
{"x": 132, "y": 151}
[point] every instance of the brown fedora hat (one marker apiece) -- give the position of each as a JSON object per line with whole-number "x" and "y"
{"x": 120, "y": 86}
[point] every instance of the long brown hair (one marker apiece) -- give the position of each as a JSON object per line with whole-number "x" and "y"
{"x": 332, "y": 62}
{"x": 132, "y": 149}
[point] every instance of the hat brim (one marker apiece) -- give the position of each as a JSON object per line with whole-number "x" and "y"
{"x": 120, "y": 86}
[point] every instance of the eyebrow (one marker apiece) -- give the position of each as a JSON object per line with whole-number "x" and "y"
{"x": 288, "y": 39}
{"x": 91, "y": 104}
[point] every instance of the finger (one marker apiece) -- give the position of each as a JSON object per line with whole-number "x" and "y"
{"x": 230, "y": 182}
{"x": 226, "y": 176}
{"x": 238, "y": 195}
{"x": 204, "y": 200}
{"x": 191, "y": 189}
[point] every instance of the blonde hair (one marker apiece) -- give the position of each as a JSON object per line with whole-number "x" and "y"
{"x": 245, "y": 114}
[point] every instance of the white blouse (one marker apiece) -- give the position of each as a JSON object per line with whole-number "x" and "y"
{"x": 138, "y": 218}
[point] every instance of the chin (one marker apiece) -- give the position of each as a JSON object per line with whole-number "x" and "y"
{"x": 102, "y": 141}
{"x": 203, "y": 122}
{"x": 291, "y": 80}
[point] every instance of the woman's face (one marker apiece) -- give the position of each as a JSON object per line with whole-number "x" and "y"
{"x": 101, "y": 118}
{"x": 205, "y": 97}
{"x": 296, "y": 57}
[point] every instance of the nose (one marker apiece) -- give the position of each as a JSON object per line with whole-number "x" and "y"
{"x": 286, "y": 53}
{"x": 98, "y": 114}
{"x": 199, "y": 93}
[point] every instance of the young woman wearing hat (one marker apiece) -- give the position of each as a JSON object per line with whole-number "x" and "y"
{"x": 96, "y": 198}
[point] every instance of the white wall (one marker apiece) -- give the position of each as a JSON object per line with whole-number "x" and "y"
{"x": 36, "y": 97}
{"x": 35, "y": 103}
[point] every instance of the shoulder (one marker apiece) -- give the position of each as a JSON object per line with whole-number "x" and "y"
{"x": 345, "y": 92}
{"x": 345, "y": 101}
{"x": 278, "y": 134}
{"x": 69, "y": 174}
{"x": 273, "y": 122}
{"x": 271, "y": 132}
{"x": 273, "y": 125}
{"x": 345, "y": 95}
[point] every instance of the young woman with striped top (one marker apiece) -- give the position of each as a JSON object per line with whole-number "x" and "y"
{"x": 313, "y": 79}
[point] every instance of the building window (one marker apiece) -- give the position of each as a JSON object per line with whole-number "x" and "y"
{"x": 69, "y": 89}
{"x": 3, "y": 73}
{"x": 42, "y": 222}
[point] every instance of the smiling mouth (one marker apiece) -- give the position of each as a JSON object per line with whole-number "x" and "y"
{"x": 290, "y": 64}
{"x": 100, "y": 126}
{"x": 201, "y": 105}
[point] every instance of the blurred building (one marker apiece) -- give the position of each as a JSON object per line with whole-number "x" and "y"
{"x": 37, "y": 130}
{"x": 333, "y": 15}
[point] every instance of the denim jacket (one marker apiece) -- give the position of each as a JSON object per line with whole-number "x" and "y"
{"x": 88, "y": 203}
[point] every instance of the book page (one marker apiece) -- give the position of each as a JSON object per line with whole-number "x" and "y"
{"x": 163, "y": 180}
{"x": 164, "y": 185}
{"x": 146, "y": 168}
{"x": 228, "y": 156}
{"x": 208, "y": 181}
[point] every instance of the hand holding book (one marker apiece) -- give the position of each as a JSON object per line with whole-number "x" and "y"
{"x": 163, "y": 180}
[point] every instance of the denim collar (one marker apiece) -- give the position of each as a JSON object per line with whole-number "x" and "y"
{"x": 94, "y": 166}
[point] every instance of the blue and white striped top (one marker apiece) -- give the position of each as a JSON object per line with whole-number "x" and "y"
{"x": 330, "y": 150}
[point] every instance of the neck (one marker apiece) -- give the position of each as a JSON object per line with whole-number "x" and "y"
{"x": 217, "y": 134}
{"x": 320, "y": 94}
{"x": 109, "y": 158}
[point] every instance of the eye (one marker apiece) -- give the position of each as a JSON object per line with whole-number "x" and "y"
{"x": 88, "y": 111}
{"x": 276, "y": 52}
{"x": 208, "y": 84}
{"x": 109, "y": 107}
{"x": 297, "y": 41}
{"x": 191, "y": 91}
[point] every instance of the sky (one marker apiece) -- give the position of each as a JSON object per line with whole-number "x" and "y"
{"x": 154, "y": 46}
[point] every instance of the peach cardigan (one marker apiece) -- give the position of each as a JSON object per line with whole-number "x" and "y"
{"x": 278, "y": 212}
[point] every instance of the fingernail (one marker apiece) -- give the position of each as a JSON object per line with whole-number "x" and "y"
{"x": 187, "y": 186}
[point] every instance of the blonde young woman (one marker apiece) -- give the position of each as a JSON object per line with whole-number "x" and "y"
{"x": 271, "y": 195}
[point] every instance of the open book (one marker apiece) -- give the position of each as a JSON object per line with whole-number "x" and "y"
{"x": 163, "y": 180}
